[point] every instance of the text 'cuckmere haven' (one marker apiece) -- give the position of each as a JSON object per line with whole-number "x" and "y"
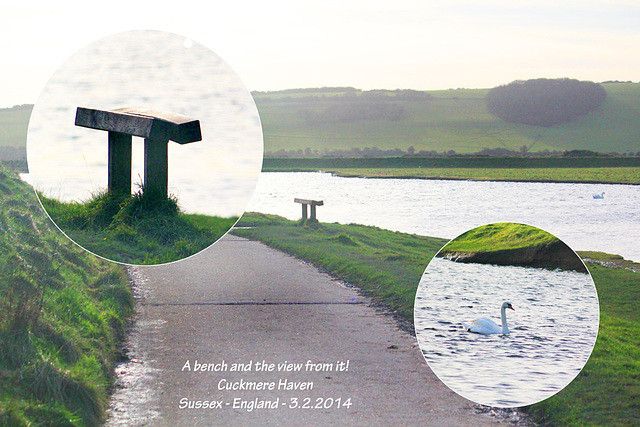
{"x": 282, "y": 384}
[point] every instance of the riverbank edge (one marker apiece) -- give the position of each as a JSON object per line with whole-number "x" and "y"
{"x": 342, "y": 174}
{"x": 554, "y": 255}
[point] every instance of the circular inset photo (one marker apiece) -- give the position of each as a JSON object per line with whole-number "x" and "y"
{"x": 506, "y": 315}
{"x": 144, "y": 147}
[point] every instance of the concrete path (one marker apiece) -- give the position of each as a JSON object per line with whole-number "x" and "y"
{"x": 242, "y": 305}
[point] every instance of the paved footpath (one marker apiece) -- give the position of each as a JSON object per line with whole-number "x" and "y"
{"x": 240, "y": 304}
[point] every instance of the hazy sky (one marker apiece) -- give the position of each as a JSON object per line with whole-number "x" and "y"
{"x": 279, "y": 44}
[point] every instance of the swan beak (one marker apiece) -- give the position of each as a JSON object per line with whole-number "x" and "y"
{"x": 511, "y": 307}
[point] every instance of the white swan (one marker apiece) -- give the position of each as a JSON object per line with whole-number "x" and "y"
{"x": 599, "y": 196}
{"x": 487, "y": 326}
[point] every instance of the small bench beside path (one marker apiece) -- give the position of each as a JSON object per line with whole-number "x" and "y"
{"x": 312, "y": 204}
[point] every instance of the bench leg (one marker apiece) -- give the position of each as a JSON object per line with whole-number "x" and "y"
{"x": 156, "y": 166}
{"x": 304, "y": 211}
{"x": 119, "y": 163}
{"x": 313, "y": 211}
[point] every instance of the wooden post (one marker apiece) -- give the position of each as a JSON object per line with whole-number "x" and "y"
{"x": 119, "y": 163}
{"x": 156, "y": 166}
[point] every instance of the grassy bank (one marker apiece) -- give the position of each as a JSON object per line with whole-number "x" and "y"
{"x": 388, "y": 266}
{"x": 512, "y": 244}
{"x": 609, "y": 170}
{"x": 606, "y": 391}
{"x": 629, "y": 175}
{"x": 63, "y": 314}
{"x": 497, "y": 237}
{"x": 137, "y": 229}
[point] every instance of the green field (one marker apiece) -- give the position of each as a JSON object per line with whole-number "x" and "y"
{"x": 388, "y": 266}
{"x": 13, "y": 132}
{"x": 498, "y": 237}
{"x": 577, "y": 175}
{"x": 351, "y": 122}
{"x": 594, "y": 169}
{"x": 13, "y": 125}
{"x": 511, "y": 244}
{"x": 442, "y": 120}
{"x": 446, "y": 120}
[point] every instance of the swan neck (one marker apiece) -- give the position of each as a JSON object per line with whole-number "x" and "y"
{"x": 503, "y": 313}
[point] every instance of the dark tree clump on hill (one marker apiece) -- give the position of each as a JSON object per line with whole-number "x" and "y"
{"x": 544, "y": 102}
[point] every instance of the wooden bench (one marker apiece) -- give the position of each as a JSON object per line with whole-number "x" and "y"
{"x": 156, "y": 127}
{"x": 312, "y": 203}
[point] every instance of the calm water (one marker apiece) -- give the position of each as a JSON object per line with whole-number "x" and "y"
{"x": 149, "y": 70}
{"x": 553, "y": 329}
{"x": 449, "y": 208}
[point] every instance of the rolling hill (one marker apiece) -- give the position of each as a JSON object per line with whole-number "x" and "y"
{"x": 321, "y": 120}
{"x": 313, "y": 122}
{"x": 13, "y": 131}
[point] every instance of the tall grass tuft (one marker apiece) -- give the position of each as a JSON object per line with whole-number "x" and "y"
{"x": 145, "y": 202}
{"x": 49, "y": 383}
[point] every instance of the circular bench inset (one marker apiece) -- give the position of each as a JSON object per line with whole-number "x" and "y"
{"x": 156, "y": 127}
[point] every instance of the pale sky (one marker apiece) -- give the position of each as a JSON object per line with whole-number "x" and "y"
{"x": 368, "y": 44}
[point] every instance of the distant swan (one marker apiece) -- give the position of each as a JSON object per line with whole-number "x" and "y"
{"x": 487, "y": 326}
{"x": 599, "y": 196}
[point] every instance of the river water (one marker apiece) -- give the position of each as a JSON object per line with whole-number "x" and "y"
{"x": 442, "y": 208}
{"x": 552, "y": 330}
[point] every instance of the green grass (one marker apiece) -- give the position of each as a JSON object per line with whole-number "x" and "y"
{"x": 594, "y": 169}
{"x": 498, "y": 237}
{"x": 137, "y": 229}
{"x": 449, "y": 120}
{"x": 606, "y": 391}
{"x": 621, "y": 175}
{"x": 427, "y": 125}
{"x": 63, "y": 315}
{"x": 388, "y": 266}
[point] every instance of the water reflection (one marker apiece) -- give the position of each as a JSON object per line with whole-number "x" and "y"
{"x": 448, "y": 208}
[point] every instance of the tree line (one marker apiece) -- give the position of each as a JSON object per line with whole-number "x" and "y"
{"x": 412, "y": 152}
